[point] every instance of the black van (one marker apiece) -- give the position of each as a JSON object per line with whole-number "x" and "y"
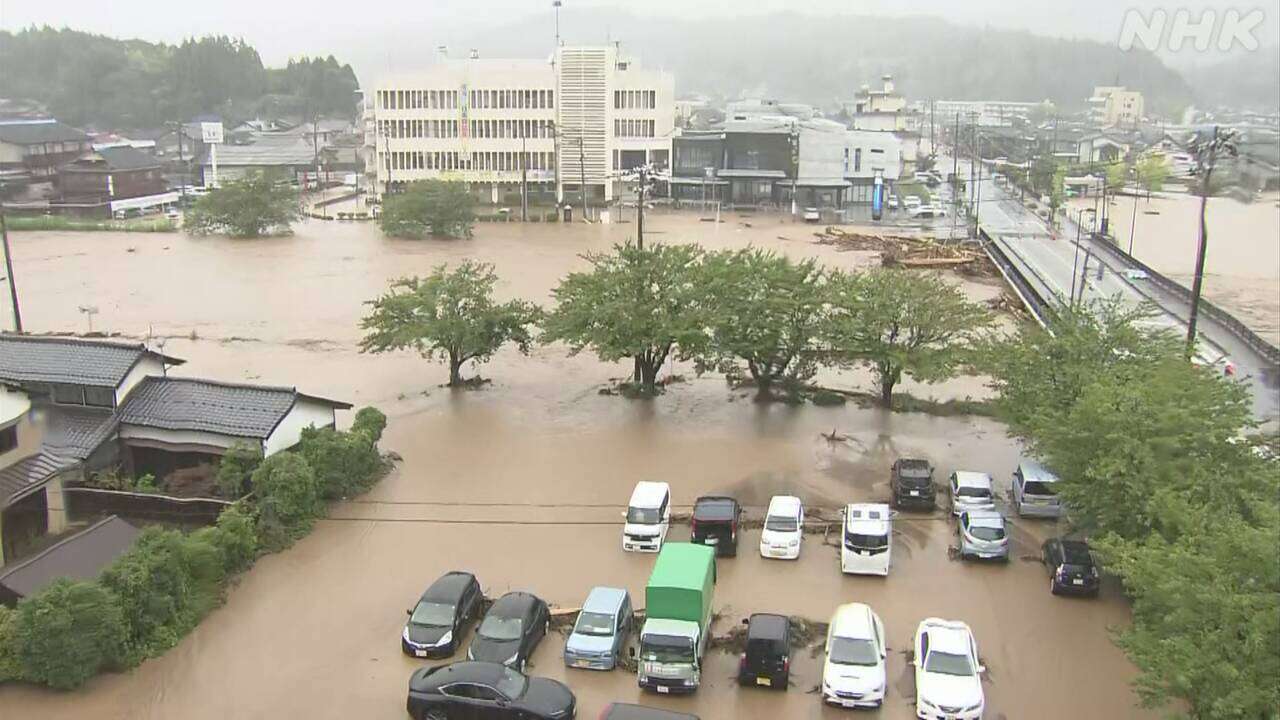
{"x": 767, "y": 660}
{"x": 911, "y": 484}
{"x": 715, "y": 522}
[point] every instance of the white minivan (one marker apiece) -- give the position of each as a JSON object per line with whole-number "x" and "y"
{"x": 648, "y": 517}
{"x": 783, "y": 528}
{"x": 865, "y": 547}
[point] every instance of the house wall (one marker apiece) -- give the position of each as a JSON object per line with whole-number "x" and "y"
{"x": 10, "y": 154}
{"x": 147, "y": 367}
{"x": 880, "y": 151}
{"x": 179, "y": 437}
{"x": 15, "y": 412}
{"x": 14, "y": 404}
{"x": 305, "y": 413}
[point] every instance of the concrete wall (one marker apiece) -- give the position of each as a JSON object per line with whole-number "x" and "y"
{"x": 305, "y": 413}
{"x": 14, "y": 404}
{"x": 148, "y": 366}
{"x": 15, "y": 411}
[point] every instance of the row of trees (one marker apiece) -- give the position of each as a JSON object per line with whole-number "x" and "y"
{"x": 92, "y": 79}
{"x": 1159, "y": 470}
{"x": 158, "y": 591}
{"x": 757, "y": 316}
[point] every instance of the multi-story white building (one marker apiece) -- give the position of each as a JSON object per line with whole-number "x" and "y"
{"x": 568, "y": 121}
{"x": 1112, "y": 106}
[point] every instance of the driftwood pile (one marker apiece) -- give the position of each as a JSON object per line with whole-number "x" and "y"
{"x": 910, "y": 252}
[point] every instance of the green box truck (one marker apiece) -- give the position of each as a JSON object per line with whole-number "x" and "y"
{"x": 677, "y": 618}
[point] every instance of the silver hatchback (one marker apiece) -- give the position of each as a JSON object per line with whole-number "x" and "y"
{"x": 983, "y": 534}
{"x": 971, "y": 491}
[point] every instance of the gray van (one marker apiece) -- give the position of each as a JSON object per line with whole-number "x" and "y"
{"x": 601, "y": 630}
{"x": 1033, "y": 491}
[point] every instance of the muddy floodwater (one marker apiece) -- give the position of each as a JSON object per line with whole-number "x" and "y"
{"x": 522, "y": 483}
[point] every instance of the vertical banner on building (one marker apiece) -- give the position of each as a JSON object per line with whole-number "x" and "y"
{"x": 877, "y": 198}
{"x": 464, "y": 120}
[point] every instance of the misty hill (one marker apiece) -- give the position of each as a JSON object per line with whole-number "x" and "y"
{"x": 1249, "y": 81}
{"x": 99, "y": 81}
{"x": 823, "y": 60}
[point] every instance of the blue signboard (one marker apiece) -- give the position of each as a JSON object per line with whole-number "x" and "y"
{"x": 877, "y": 198}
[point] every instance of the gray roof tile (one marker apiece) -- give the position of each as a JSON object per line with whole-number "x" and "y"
{"x": 28, "y": 473}
{"x": 36, "y": 132}
{"x": 75, "y": 432}
{"x": 170, "y": 403}
{"x": 64, "y": 360}
{"x": 82, "y": 556}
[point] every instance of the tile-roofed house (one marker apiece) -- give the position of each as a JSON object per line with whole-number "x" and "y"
{"x": 82, "y": 556}
{"x": 207, "y": 416}
{"x": 290, "y": 154}
{"x": 105, "y": 178}
{"x": 26, "y": 359}
{"x": 29, "y": 474}
{"x": 38, "y": 147}
{"x": 38, "y": 132}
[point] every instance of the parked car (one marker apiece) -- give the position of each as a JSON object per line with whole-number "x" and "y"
{"x": 1072, "y": 569}
{"x": 510, "y": 631}
{"x": 948, "y": 673}
{"x": 892, "y": 202}
{"x": 971, "y": 491}
{"x": 486, "y": 690}
{"x": 920, "y": 211}
{"x": 1033, "y": 491}
{"x": 866, "y": 544}
{"x": 715, "y": 522}
{"x": 939, "y": 209}
{"x": 983, "y": 535}
{"x": 853, "y": 673}
{"x": 767, "y": 659}
{"x": 911, "y": 484}
{"x": 601, "y": 630}
{"x": 783, "y": 528}
{"x": 437, "y": 622}
{"x": 811, "y": 215}
{"x": 911, "y": 201}
{"x": 628, "y": 711}
{"x": 1135, "y": 274}
{"x": 648, "y": 517}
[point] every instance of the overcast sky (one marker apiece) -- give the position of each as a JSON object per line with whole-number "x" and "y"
{"x": 355, "y": 31}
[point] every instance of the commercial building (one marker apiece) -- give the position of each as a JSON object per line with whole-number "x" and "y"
{"x": 883, "y": 109}
{"x": 986, "y": 113}
{"x": 114, "y": 179}
{"x": 1111, "y": 106}
{"x": 563, "y": 124}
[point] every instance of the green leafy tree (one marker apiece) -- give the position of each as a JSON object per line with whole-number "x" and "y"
{"x": 289, "y": 499}
{"x": 1117, "y": 174}
{"x": 450, "y": 315}
{"x": 436, "y": 207}
{"x": 765, "y": 310}
{"x": 10, "y": 665}
{"x": 642, "y": 304}
{"x": 901, "y": 323}
{"x": 236, "y": 467}
{"x": 371, "y": 422}
{"x": 1152, "y": 171}
{"x": 236, "y": 536}
{"x": 260, "y": 203}
{"x": 68, "y": 632}
{"x": 345, "y": 463}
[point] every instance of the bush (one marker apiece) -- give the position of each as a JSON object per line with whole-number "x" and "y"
{"x": 370, "y": 421}
{"x": 235, "y": 469}
{"x": 157, "y": 589}
{"x": 288, "y": 499}
{"x": 235, "y": 536}
{"x": 344, "y": 464}
{"x": 67, "y": 633}
{"x": 10, "y": 667}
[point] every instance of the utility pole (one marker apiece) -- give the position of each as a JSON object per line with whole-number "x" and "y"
{"x": 524, "y": 179}
{"x": 955, "y": 166}
{"x": 582, "y": 177}
{"x": 1206, "y": 159}
{"x": 1075, "y": 260}
{"x": 8, "y": 267}
{"x": 644, "y": 179}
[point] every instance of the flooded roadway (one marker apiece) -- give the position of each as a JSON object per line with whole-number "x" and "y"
{"x": 522, "y": 483}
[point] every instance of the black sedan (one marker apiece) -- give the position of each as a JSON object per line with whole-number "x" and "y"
{"x": 1072, "y": 570}
{"x": 486, "y": 690}
{"x": 511, "y": 630}
{"x": 437, "y": 622}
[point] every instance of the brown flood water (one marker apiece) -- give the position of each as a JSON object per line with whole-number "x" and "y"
{"x": 530, "y": 474}
{"x": 1242, "y": 264}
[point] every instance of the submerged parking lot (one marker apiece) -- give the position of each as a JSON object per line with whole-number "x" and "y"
{"x": 522, "y": 484}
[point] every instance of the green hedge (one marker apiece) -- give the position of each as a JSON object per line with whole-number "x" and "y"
{"x": 158, "y": 591}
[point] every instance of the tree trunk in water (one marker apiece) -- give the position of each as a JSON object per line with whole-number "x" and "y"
{"x": 648, "y": 376}
{"x": 455, "y": 371}
{"x": 888, "y": 379}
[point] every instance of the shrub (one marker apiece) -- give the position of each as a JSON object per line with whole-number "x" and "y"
{"x": 288, "y": 499}
{"x": 69, "y": 632}
{"x": 344, "y": 463}
{"x": 236, "y": 467}
{"x": 10, "y": 667}
{"x": 371, "y": 421}
{"x": 236, "y": 536}
{"x": 156, "y": 588}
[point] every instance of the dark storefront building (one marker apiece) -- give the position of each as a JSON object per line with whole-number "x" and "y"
{"x": 101, "y": 176}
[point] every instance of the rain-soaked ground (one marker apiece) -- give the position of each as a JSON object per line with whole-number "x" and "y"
{"x": 522, "y": 483}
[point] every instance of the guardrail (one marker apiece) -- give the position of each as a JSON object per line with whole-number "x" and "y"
{"x": 1268, "y": 351}
{"x": 1026, "y": 293}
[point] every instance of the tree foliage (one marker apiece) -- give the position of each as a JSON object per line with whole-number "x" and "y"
{"x": 288, "y": 498}
{"x": 1153, "y": 466}
{"x": 92, "y": 79}
{"x": 345, "y": 463}
{"x": 236, "y": 467}
{"x": 260, "y": 203}
{"x": 10, "y": 665}
{"x": 371, "y": 422}
{"x": 766, "y": 311}
{"x": 435, "y": 207}
{"x": 235, "y": 535}
{"x": 635, "y": 303}
{"x": 69, "y": 632}
{"x": 1152, "y": 171}
{"x": 450, "y": 315}
{"x": 901, "y": 323}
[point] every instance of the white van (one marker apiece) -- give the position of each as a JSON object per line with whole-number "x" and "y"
{"x": 648, "y": 517}
{"x": 866, "y": 547}
{"x": 783, "y": 528}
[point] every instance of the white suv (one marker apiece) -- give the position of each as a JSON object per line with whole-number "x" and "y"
{"x": 853, "y": 672}
{"x": 948, "y": 673}
{"x": 783, "y": 528}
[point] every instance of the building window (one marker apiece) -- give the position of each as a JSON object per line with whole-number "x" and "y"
{"x": 8, "y": 439}
{"x": 99, "y": 397}
{"x": 857, "y": 160}
{"x": 68, "y": 394}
